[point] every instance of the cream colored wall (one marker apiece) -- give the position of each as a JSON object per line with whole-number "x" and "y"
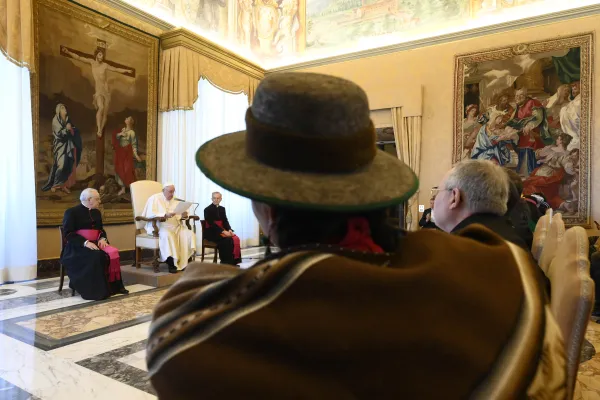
{"x": 433, "y": 67}
{"x": 48, "y": 239}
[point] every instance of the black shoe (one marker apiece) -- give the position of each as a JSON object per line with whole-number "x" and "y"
{"x": 123, "y": 291}
{"x": 173, "y": 269}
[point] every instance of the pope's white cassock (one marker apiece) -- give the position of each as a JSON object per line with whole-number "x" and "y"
{"x": 175, "y": 239}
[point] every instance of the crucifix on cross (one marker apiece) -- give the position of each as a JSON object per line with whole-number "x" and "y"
{"x": 99, "y": 65}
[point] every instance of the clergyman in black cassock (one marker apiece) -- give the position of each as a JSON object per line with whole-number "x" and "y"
{"x": 88, "y": 269}
{"x": 216, "y": 223}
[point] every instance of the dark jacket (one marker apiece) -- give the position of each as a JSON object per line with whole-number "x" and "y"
{"x": 423, "y": 223}
{"x": 503, "y": 228}
{"x": 214, "y": 213}
{"x": 500, "y": 225}
{"x": 86, "y": 268}
{"x": 520, "y": 218}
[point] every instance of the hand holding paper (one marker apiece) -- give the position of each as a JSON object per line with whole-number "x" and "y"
{"x": 182, "y": 207}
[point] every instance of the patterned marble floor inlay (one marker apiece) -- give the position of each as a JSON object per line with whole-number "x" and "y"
{"x": 34, "y": 299}
{"x": 6, "y": 292}
{"x": 69, "y": 323}
{"x": 588, "y": 377}
{"x": 49, "y": 284}
{"x": 137, "y": 360}
{"x": 110, "y": 364}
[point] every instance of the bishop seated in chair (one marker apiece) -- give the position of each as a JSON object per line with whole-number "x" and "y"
{"x": 93, "y": 266}
{"x": 218, "y": 230}
{"x": 177, "y": 244}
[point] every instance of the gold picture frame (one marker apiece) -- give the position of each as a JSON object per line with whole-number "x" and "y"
{"x": 553, "y": 79}
{"x": 79, "y": 92}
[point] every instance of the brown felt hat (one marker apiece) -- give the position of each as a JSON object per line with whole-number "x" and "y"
{"x": 309, "y": 143}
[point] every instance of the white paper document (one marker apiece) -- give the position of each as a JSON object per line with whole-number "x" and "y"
{"x": 182, "y": 207}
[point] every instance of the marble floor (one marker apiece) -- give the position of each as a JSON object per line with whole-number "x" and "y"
{"x": 57, "y": 346}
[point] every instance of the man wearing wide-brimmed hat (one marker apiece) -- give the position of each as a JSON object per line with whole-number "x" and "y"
{"x": 349, "y": 308}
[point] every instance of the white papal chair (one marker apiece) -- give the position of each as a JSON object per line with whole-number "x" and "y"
{"x": 140, "y": 193}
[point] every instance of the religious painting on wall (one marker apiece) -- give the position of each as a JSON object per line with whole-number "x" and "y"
{"x": 206, "y": 16}
{"x": 94, "y": 108}
{"x": 270, "y": 28}
{"x": 528, "y": 108}
{"x": 334, "y": 23}
{"x": 483, "y": 7}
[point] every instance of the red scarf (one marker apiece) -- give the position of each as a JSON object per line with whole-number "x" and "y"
{"x": 359, "y": 236}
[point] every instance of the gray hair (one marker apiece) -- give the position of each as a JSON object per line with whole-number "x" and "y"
{"x": 483, "y": 185}
{"x": 213, "y": 194}
{"x": 87, "y": 193}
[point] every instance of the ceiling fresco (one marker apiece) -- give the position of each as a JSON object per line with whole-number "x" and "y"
{"x": 274, "y": 33}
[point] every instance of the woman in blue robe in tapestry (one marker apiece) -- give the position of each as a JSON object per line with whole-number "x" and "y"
{"x": 493, "y": 140}
{"x": 66, "y": 150}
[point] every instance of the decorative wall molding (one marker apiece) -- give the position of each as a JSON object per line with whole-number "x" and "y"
{"x": 185, "y": 38}
{"x": 135, "y": 12}
{"x": 452, "y": 37}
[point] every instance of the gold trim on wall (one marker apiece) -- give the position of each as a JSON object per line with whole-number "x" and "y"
{"x": 586, "y": 42}
{"x": 185, "y": 38}
{"x": 54, "y": 217}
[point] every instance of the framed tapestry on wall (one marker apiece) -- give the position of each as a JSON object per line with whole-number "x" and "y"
{"x": 529, "y": 108}
{"x": 94, "y": 101}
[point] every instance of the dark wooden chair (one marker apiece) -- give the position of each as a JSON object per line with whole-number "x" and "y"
{"x": 63, "y": 242}
{"x": 207, "y": 244}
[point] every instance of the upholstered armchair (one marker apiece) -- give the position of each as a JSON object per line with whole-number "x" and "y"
{"x": 572, "y": 295}
{"x": 140, "y": 193}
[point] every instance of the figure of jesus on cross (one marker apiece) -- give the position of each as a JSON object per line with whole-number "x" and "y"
{"x": 99, "y": 65}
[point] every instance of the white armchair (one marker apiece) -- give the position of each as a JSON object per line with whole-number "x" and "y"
{"x": 140, "y": 193}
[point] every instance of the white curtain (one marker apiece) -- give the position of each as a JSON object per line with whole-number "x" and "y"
{"x": 18, "y": 235}
{"x": 407, "y": 132}
{"x": 181, "y": 133}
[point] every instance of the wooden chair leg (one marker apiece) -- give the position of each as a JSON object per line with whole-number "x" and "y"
{"x": 155, "y": 262}
{"x": 216, "y": 254}
{"x": 62, "y": 278}
{"x": 202, "y": 254}
{"x": 136, "y": 263}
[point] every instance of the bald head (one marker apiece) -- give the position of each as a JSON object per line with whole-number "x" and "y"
{"x": 216, "y": 198}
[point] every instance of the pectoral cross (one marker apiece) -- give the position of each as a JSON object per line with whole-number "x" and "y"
{"x": 99, "y": 65}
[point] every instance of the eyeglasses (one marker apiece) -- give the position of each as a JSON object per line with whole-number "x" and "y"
{"x": 436, "y": 191}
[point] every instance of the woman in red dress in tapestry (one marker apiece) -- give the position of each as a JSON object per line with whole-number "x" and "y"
{"x": 557, "y": 167}
{"x": 125, "y": 145}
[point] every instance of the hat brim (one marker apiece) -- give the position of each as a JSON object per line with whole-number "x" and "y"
{"x": 387, "y": 181}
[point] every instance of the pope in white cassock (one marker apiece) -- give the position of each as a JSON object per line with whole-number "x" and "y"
{"x": 177, "y": 243}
